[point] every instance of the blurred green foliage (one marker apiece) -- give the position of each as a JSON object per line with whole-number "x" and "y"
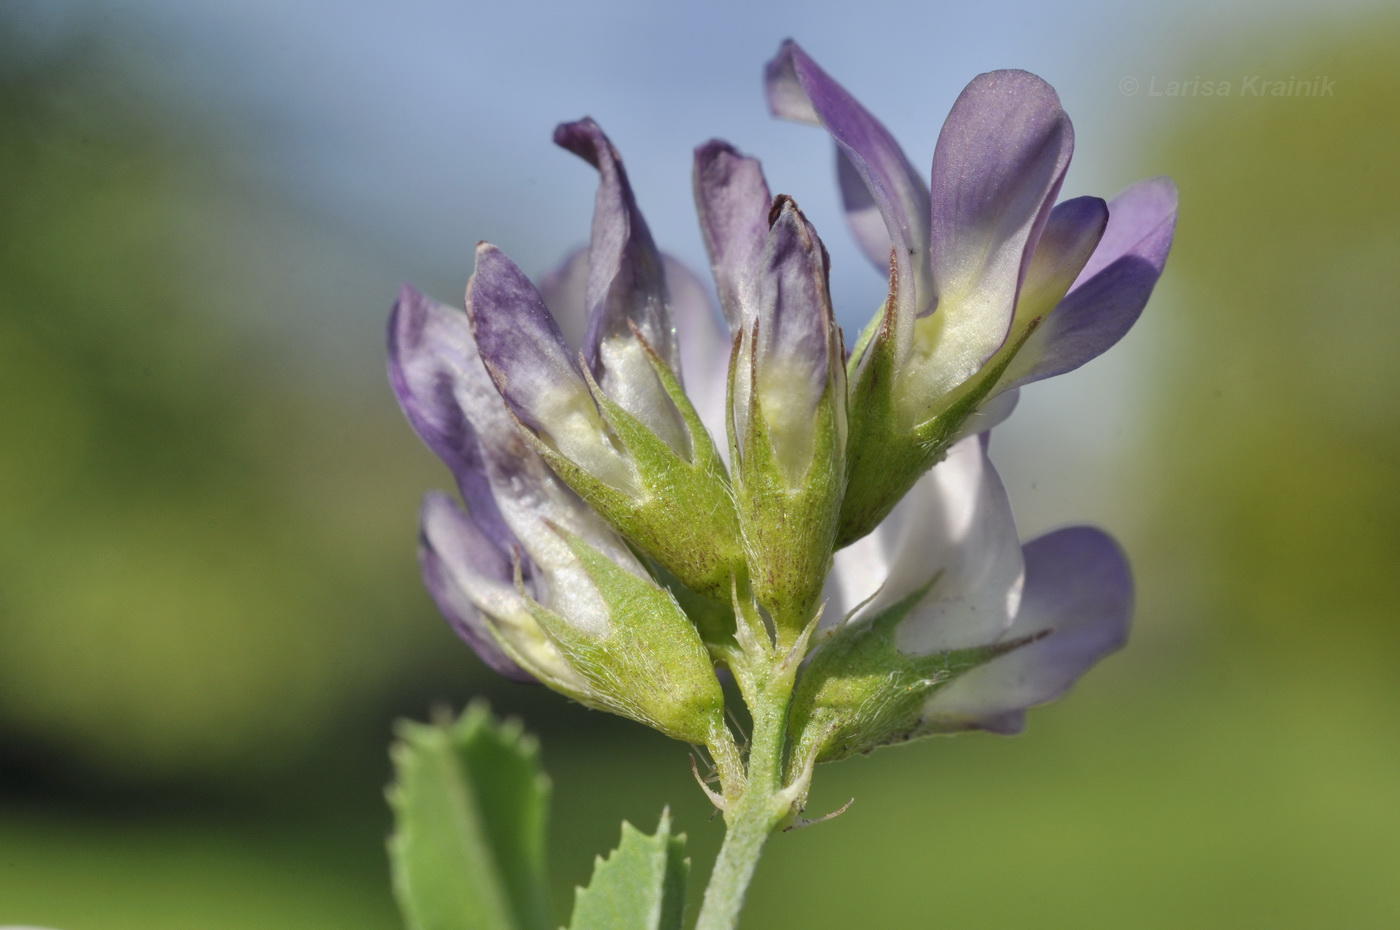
{"x": 1276, "y": 476}
{"x": 206, "y": 562}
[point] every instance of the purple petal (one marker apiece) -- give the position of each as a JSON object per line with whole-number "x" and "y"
{"x": 1079, "y": 588}
{"x": 626, "y": 282}
{"x": 1073, "y": 232}
{"x": 792, "y": 353}
{"x": 626, "y": 288}
{"x": 518, "y": 340}
{"x": 565, "y": 293}
{"x": 532, "y": 368}
{"x": 1111, "y": 291}
{"x": 999, "y": 163}
{"x": 732, "y": 199}
{"x": 888, "y": 187}
{"x": 464, "y": 571}
{"x": 704, "y": 345}
{"x": 1141, "y": 221}
{"x": 437, "y": 375}
{"x": 443, "y": 385}
{"x": 863, "y": 214}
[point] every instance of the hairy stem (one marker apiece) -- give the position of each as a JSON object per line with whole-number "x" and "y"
{"x": 765, "y": 805}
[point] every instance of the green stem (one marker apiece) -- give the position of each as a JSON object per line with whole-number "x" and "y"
{"x": 764, "y": 806}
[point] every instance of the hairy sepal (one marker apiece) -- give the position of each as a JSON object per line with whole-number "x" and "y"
{"x": 651, "y": 665}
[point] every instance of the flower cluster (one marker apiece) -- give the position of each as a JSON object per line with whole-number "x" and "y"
{"x": 652, "y": 489}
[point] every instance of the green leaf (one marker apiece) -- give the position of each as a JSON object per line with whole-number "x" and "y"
{"x": 468, "y": 850}
{"x": 640, "y": 886}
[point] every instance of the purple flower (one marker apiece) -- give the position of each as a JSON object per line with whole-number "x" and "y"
{"x": 787, "y": 386}
{"x": 609, "y": 541}
{"x": 611, "y": 416}
{"x": 967, "y": 627}
{"x": 531, "y": 576}
{"x": 991, "y": 284}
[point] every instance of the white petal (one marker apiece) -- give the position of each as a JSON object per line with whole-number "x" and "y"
{"x": 959, "y": 532}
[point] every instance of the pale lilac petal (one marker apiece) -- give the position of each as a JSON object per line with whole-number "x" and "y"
{"x": 958, "y": 533}
{"x": 732, "y": 199}
{"x": 518, "y": 339}
{"x": 463, "y": 569}
{"x": 521, "y": 348}
{"x": 863, "y": 214}
{"x": 565, "y": 293}
{"x": 451, "y": 401}
{"x": 1000, "y": 160}
{"x": 792, "y": 352}
{"x": 626, "y": 289}
{"x": 1073, "y": 232}
{"x": 1141, "y": 221}
{"x": 704, "y": 344}
{"x": 437, "y": 376}
{"x": 533, "y": 369}
{"x": 1111, "y": 291}
{"x": 515, "y": 499}
{"x": 800, "y": 90}
{"x": 1079, "y": 591}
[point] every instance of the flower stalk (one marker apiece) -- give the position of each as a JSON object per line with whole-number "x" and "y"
{"x": 769, "y": 801}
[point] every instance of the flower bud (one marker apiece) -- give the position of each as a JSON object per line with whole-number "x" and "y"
{"x": 788, "y": 421}
{"x": 989, "y": 287}
{"x": 615, "y": 422}
{"x": 530, "y": 575}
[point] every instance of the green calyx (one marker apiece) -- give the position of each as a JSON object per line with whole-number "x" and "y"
{"x": 860, "y": 692}
{"x": 886, "y": 456}
{"x": 789, "y": 522}
{"x": 651, "y": 665}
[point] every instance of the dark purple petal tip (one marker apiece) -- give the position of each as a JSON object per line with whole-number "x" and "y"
{"x": 732, "y": 199}
{"x": 586, "y": 139}
{"x": 795, "y": 319}
{"x": 626, "y": 281}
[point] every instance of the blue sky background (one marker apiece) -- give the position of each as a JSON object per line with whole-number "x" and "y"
{"x": 424, "y": 126}
{"x": 428, "y": 122}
